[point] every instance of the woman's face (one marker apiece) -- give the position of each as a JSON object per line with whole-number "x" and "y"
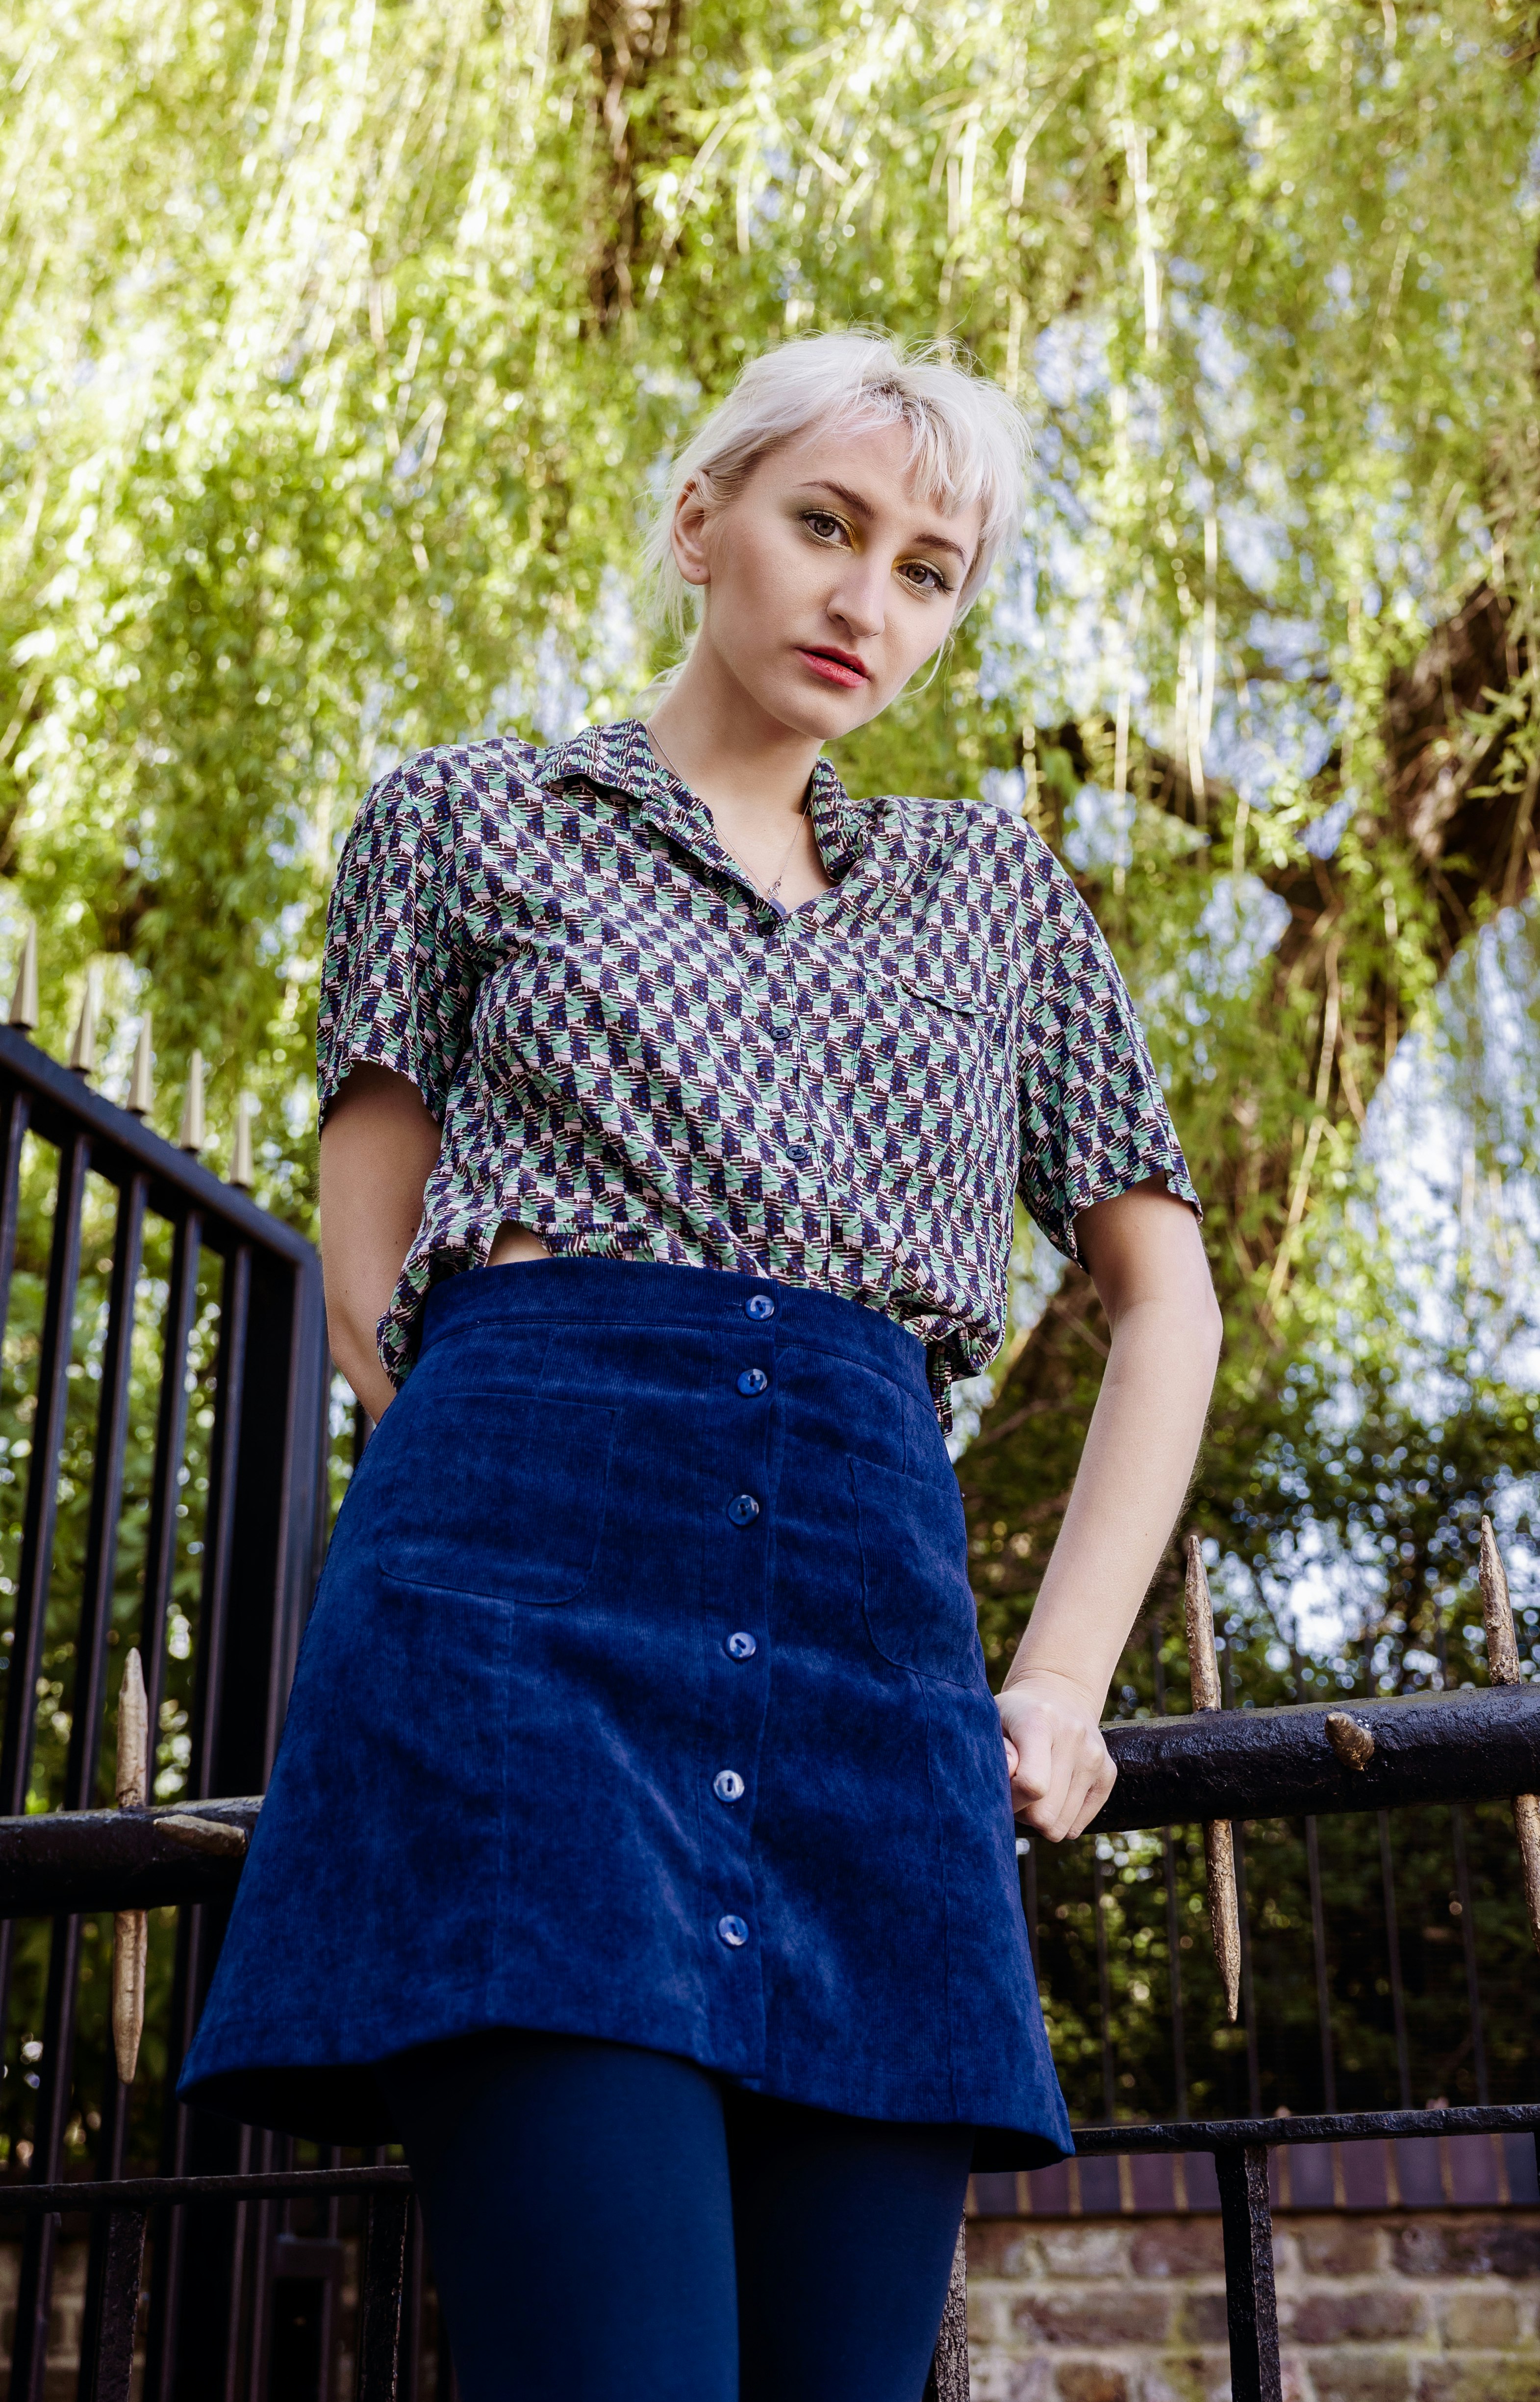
{"x": 828, "y": 579}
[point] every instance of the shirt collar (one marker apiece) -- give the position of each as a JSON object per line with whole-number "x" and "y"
{"x": 621, "y": 759}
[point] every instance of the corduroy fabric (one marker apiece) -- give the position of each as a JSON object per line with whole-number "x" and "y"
{"x": 496, "y": 1803}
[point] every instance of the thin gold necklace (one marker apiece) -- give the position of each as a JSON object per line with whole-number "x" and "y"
{"x": 771, "y": 891}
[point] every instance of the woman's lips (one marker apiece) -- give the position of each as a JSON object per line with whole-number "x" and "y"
{"x": 832, "y": 671}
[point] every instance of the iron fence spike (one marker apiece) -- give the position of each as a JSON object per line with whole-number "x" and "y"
{"x": 83, "y": 1048}
{"x": 130, "y": 1927}
{"x": 205, "y": 1835}
{"x": 1224, "y": 1908}
{"x": 242, "y": 1173}
{"x": 24, "y": 1000}
{"x": 141, "y": 1082}
{"x": 1504, "y": 1668}
{"x": 194, "y": 1134}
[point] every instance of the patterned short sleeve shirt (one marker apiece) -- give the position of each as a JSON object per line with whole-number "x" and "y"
{"x": 634, "y": 1054}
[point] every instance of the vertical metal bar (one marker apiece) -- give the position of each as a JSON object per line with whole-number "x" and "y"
{"x": 1248, "y": 1994}
{"x": 106, "y": 1500}
{"x": 40, "y": 2236}
{"x": 112, "y": 2306}
{"x": 14, "y": 1118}
{"x": 219, "y": 1519}
{"x": 1393, "y": 1954}
{"x": 380, "y": 2286}
{"x": 1174, "y": 1959}
{"x": 1251, "y": 2302}
{"x": 169, "y": 1442}
{"x": 1323, "y": 1982}
{"x": 1104, "y": 1984}
{"x": 411, "y": 2364}
{"x": 42, "y": 1503}
{"x": 90, "y": 1653}
{"x": 1173, "y": 1916}
{"x": 948, "y": 2381}
{"x": 34, "y": 1575}
{"x": 1468, "y": 1938}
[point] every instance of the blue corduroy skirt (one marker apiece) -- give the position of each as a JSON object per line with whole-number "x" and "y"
{"x": 642, "y": 1699}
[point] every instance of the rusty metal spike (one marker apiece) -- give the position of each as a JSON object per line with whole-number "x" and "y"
{"x": 205, "y": 1835}
{"x": 1497, "y": 1609}
{"x": 141, "y": 1082}
{"x": 1203, "y": 1659}
{"x": 1352, "y": 1744}
{"x": 24, "y": 1000}
{"x": 1224, "y": 1908}
{"x": 130, "y": 1927}
{"x": 241, "y": 1174}
{"x": 194, "y": 1134}
{"x": 83, "y": 1048}
{"x": 1504, "y": 1668}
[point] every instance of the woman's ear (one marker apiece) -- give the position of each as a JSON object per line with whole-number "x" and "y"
{"x": 687, "y": 535}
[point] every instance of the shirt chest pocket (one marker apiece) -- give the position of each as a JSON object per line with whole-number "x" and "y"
{"x": 927, "y": 1076}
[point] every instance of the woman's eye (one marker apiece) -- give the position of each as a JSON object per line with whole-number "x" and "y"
{"x": 824, "y": 526}
{"x": 924, "y": 578}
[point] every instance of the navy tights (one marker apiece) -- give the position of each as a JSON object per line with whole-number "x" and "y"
{"x": 611, "y": 2225}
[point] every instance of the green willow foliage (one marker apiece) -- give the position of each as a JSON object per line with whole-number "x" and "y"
{"x": 343, "y": 340}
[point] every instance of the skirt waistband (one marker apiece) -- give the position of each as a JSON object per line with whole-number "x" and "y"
{"x": 646, "y": 1292}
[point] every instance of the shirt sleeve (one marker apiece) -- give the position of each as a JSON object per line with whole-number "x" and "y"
{"x": 397, "y": 978}
{"x": 1094, "y": 1120}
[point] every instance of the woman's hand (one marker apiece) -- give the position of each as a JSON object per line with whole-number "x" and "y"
{"x": 1061, "y": 1771}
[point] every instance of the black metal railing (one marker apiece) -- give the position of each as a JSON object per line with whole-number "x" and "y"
{"x": 130, "y": 1275}
{"x": 165, "y": 1456}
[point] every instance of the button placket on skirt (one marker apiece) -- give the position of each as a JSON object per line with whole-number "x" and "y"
{"x": 735, "y": 1600}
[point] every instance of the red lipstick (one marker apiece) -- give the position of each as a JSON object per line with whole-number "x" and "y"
{"x": 835, "y": 667}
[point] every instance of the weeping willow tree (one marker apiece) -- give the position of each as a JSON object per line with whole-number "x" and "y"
{"x": 343, "y": 341}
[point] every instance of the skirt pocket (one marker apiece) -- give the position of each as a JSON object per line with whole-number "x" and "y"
{"x": 919, "y": 1608}
{"x": 511, "y": 1508}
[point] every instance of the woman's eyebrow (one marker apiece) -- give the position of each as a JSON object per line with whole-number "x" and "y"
{"x": 863, "y": 509}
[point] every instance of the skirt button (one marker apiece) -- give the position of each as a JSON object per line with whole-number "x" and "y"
{"x": 733, "y": 1931}
{"x": 728, "y": 1785}
{"x": 760, "y": 1304}
{"x": 743, "y": 1508}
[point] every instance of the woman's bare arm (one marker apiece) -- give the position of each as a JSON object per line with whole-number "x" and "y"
{"x": 1145, "y": 1257}
{"x": 378, "y": 1148}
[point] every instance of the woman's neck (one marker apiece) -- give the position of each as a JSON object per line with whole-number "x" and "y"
{"x": 720, "y": 741}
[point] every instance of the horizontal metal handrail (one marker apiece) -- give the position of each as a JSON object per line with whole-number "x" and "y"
{"x": 82, "y": 1861}
{"x": 1480, "y": 1744}
{"x": 1171, "y": 2136}
{"x": 1323, "y": 2126}
{"x": 153, "y": 2192}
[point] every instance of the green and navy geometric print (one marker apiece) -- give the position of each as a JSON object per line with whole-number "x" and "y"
{"x": 635, "y": 1055}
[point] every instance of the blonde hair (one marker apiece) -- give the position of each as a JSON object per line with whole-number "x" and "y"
{"x": 968, "y": 440}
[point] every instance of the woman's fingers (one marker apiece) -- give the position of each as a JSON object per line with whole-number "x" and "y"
{"x": 1061, "y": 1771}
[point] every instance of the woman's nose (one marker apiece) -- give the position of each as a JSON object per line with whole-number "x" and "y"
{"x": 858, "y": 601}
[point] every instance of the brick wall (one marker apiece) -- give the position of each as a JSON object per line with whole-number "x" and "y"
{"x": 1430, "y": 2306}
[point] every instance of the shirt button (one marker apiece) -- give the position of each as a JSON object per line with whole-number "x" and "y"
{"x": 733, "y": 1931}
{"x": 760, "y": 1304}
{"x": 728, "y": 1785}
{"x": 798, "y": 1153}
{"x": 740, "y": 1646}
{"x": 742, "y": 1509}
{"x": 752, "y": 1380}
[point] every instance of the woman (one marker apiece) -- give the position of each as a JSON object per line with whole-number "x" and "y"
{"x": 641, "y": 1847}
